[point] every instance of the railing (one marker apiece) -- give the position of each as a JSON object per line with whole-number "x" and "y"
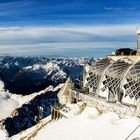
{"x": 56, "y": 114}
{"x": 132, "y": 133}
{"x": 101, "y": 103}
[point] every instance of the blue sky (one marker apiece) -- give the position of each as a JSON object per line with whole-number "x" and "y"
{"x": 58, "y": 27}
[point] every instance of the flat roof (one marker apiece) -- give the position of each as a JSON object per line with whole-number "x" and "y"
{"x": 131, "y": 57}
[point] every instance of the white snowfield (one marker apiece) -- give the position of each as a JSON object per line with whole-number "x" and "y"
{"x": 1, "y": 86}
{"x": 90, "y": 126}
{"x": 7, "y": 104}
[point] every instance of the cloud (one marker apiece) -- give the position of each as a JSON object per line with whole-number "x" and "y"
{"x": 14, "y": 9}
{"x": 45, "y": 40}
{"x": 96, "y": 49}
{"x": 44, "y": 34}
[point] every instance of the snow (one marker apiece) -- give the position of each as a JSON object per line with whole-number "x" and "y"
{"x": 90, "y": 125}
{"x": 33, "y": 67}
{"x": 49, "y": 67}
{"x": 7, "y": 105}
{"x": 36, "y": 67}
{"x": 27, "y": 98}
{"x": 1, "y": 86}
{"x": 9, "y": 102}
{"x": 30, "y": 131}
{"x": 60, "y": 74}
{"x": 3, "y": 135}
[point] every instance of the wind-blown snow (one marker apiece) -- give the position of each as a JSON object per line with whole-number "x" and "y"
{"x": 3, "y": 135}
{"x": 90, "y": 126}
{"x": 9, "y": 102}
{"x": 1, "y": 86}
{"x": 7, "y": 105}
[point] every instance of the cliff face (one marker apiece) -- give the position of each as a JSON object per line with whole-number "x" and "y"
{"x": 29, "y": 114}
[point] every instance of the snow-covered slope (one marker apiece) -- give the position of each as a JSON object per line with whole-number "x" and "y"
{"x": 32, "y": 111}
{"x": 2, "y": 86}
{"x": 10, "y": 102}
{"x": 16, "y": 109}
{"x": 87, "y": 126}
{"x": 27, "y": 98}
{"x": 7, "y": 105}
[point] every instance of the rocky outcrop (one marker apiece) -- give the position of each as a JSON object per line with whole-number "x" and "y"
{"x": 30, "y": 114}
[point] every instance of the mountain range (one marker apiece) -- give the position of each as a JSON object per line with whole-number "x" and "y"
{"x": 31, "y": 84}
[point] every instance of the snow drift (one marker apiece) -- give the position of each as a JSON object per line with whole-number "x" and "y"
{"x": 89, "y": 126}
{"x": 7, "y": 105}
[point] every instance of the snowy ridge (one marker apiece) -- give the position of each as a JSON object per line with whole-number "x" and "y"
{"x": 27, "y": 98}
{"x": 28, "y": 114}
{"x": 13, "y": 101}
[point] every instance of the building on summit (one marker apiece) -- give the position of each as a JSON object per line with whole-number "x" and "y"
{"x": 111, "y": 84}
{"x": 116, "y": 78}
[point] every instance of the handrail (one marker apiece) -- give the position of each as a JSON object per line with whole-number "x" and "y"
{"x": 132, "y": 132}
